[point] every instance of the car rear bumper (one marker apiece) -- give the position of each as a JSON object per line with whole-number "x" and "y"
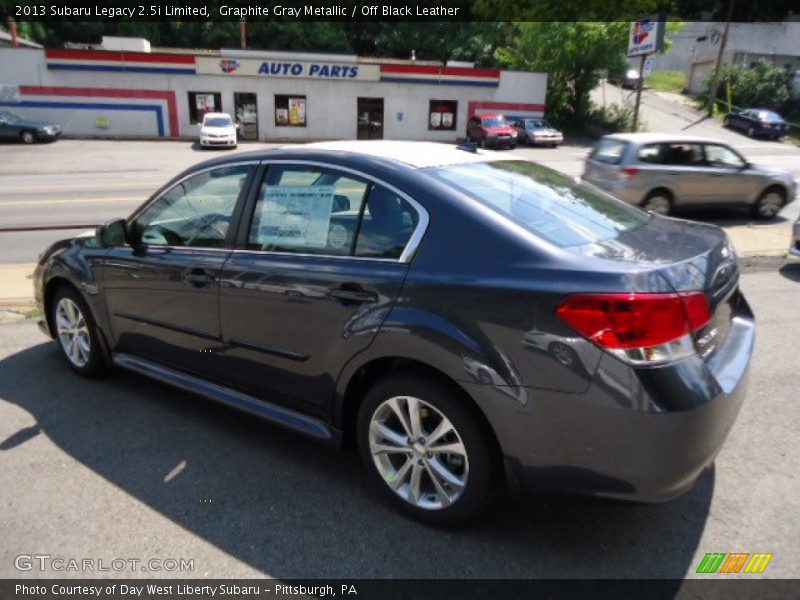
{"x": 635, "y": 434}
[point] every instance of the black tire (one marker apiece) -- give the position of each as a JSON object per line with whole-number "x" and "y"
{"x": 96, "y": 363}
{"x": 769, "y": 203}
{"x": 726, "y": 122}
{"x": 483, "y": 480}
{"x": 482, "y": 143}
{"x": 751, "y": 132}
{"x": 27, "y": 137}
{"x": 658, "y": 202}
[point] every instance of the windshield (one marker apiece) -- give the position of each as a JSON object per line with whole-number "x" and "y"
{"x": 494, "y": 122}
{"x": 10, "y": 117}
{"x": 539, "y": 124}
{"x": 218, "y": 122}
{"x": 549, "y": 204}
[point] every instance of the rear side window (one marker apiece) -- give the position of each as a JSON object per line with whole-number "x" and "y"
{"x": 686, "y": 155}
{"x": 547, "y": 203}
{"x": 315, "y": 210}
{"x": 609, "y": 151}
{"x": 651, "y": 153}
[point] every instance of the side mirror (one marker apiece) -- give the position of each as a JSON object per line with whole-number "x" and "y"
{"x": 112, "y": 233}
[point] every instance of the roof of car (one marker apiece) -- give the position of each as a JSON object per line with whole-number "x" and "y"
{"x": 214, "y": 115}
{"x": 414, "y": 154}
{"x": 644, "y": 138}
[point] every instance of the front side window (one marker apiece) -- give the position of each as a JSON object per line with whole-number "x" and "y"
{"x": 722, "y": 156}
{"x": 201, "y": 103}
{"x": 290, "y": 111}
{"x": 442, "y": 115}
{"x": 546, "y": 203}
{"x": 195, "y": 213}
{"x": 316, "y": 210}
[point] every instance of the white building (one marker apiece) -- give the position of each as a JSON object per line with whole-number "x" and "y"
{"x": 275, "y": 96}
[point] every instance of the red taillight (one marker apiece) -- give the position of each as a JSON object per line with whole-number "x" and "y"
{"x": 635, "y": 320}
{"x": 629, "y": 172}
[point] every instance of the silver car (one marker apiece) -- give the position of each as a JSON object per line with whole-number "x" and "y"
{"x": 662, "y": 172}
{"x": 794, "y": 249}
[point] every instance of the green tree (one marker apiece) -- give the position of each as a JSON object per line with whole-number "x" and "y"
{"x": 764, "y": 85}
{"x": 571, "y": 54}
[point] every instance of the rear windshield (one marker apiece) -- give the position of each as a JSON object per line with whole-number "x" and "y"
{"x": 549, "y": 204}
{"x": 608, "y": 151}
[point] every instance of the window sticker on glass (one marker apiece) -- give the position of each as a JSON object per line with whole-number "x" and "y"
{"x": 296, "y": 216}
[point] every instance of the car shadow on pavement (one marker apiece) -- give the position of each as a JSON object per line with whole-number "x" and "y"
{"x": 791, "y": 271}
{"x": 293, "y": 508}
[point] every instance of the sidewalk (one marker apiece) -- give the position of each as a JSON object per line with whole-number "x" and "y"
{"x": 16, "y": 292}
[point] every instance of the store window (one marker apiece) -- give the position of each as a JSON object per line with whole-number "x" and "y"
{"x": 442, "y": 115}
{"x": 290, "y": 111}
{"x": 201, "y": 103}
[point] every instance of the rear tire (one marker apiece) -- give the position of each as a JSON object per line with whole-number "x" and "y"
{"x": 769, "y": 203}
{"x": 76, "y": 333}
{"x": 405, "y": 459}
{"x": 27, "y": 137}
{"x": 658, "y": 202}
{"x": 751, "y": 132}
{"x": 726, "y": 122}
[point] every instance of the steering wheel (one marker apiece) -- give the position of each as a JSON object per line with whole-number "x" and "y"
{"x": 210, "y": 222}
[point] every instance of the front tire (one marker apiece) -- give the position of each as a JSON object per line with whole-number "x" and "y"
{"x": 425, "y": 451}
{"x": 769, "y": 204}
{"x": 76, "y": 333}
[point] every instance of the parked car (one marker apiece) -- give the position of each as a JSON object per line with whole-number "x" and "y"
{"x": 14, "y": 127}
{"x": 491, "y": 130}
{"x": 538, "y": 132}
{"x": 218, "y": 129}
{"x": 794, "y": 249}
{"x": 662, "y": 172}
{"x": 410, "y": 321}
{"x": 630, "y": 80}
{"x": 758, "y": 122}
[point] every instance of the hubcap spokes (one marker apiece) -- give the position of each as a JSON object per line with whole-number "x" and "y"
{"x": 418, "y": 452}
{"x": 770, "y": 205}
{"x": 73, "y": 332}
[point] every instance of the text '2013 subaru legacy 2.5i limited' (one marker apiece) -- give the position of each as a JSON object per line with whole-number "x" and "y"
{"x": 464, "y": 318}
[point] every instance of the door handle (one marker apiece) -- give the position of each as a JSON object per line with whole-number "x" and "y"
{"x": 352, "y": 292}
{"x": 199, "y": 278}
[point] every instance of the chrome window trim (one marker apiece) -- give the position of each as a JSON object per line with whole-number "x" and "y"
{"x": 413, "y": 241}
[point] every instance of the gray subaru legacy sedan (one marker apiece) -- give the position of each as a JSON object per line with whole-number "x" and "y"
{"x": 662, "y": 172}
{"x": 463, "y": 318}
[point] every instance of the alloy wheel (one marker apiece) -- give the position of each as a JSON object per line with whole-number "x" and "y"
{"x": 28, "y": 137}
{"x": 770, "y": 204}
{"x": 418, "y": 452}
{"x": 657, "y": 204}
{"x": 73, "y": 332}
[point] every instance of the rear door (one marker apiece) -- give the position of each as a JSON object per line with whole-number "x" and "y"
{"x": 320, "y": 263}
{"x": 685, "y": 167}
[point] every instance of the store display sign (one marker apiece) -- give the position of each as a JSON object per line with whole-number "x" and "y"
{"x": 287, "y": 69}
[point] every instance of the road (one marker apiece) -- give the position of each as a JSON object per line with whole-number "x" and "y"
{"x": 85, "y": 182}
{"x": 123, "y": 467}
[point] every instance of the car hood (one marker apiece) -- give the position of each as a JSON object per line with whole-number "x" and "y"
{"x": 544, "y": 130}
{"x": 690, "y": 256}
{"x": 771, "y": 171}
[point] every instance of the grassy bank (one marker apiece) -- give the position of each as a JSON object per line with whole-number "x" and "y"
{"x": 666, "y": 81}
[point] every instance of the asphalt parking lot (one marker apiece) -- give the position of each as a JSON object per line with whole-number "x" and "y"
{"x": 127, "y": 468}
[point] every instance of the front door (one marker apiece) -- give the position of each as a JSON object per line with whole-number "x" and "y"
{"x": 731, "y": 181}
{"x": 246, "y": 108}
{"x": 370, "y": 118}
{"x": 162, "y": 290}
{"x": 319, "y": 270}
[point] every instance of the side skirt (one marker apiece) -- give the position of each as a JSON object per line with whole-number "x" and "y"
{"x": 260, "y": 408}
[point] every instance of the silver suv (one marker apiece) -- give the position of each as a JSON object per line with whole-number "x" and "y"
{"x": 662, "y": 172}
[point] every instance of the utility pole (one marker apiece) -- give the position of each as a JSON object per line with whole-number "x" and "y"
{"x": 712, "y": 93}
{"x": 639, "y": 86}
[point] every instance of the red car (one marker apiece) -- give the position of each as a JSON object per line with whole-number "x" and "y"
{"x": 491, "y": 130}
